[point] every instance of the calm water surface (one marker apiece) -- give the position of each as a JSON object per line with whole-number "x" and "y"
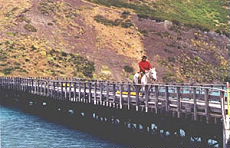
{"x": 21, "y": 130}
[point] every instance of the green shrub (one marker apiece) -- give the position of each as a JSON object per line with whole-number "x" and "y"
{"x": 88, "y": 69}
{"x": 23, "y": 70}
{"x": 46, "y": 7}
{"x": 3, "y": 64}
{"x": 101, "y": 19}
{"x": 8, "y": 71}
{"x": 125, "y": 14}
{"x": 126, "y": 24}
{"x": 3, "y": 57}
{"x": 33, "y": 48}
{"x": 117, "y": 22}
{"x": 23, "y": 18}
{"x": 30, "y": 28}
{"x": 64, "y": 54}
{"x": 128, "y": 69}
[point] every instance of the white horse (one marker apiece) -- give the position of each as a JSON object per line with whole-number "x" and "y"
{"x": 146, "y": 78}
{"x": 149, "y": 76}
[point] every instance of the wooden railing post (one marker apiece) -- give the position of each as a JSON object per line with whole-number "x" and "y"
{"x": 157, "y": 98}
{"x": 90, "y": 92}
{"x": 166, "y": 98}
{"x": 95, "y": 93}
{"x": 54, "y": 94}
{"x": 62, "y": 90}
{"x": 114, "y": 92}
{"x": 70, "y": 90}
{"x": 137, "y": 97}
{"x": 146, "y": 98}
{"x": 74, "y": 91}
{"x": 224, "y": 117}
{"x": 121, "y": 98}
{"x": 84, "y": 92}
{"x": 195, "y": 104}
{"x": 178, "y": 102}
{"x": 107, "y": 93}
{"x": 46, "y": 88}
{"x": 38, "y": 85}
{"x": 66, "y": 89}
{"x": 79, "y": 91}
{"x": 35, "y": 85}
{"x": 32, "y": 85}
{"x": 129, "y": 87}
{"x": 206, "y": 98}
{"x": 101, "y": 90}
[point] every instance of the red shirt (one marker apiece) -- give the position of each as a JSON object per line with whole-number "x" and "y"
{"x": 144, "y": 65}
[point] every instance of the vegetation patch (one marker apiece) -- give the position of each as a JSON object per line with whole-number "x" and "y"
{"x": 190, "y": 67}
{"x": 202, "y": 14}
{"x": 7, "y": 71}
{"x": 30, "y": 56}
{"x": 30, "y": 28}
{"x": 127, "y": 24}
{"x": 103, "y": 20}
{"x": 170, "y": 76}
{"x": 128, "y": 69}
{"x": 125, "y": 14}
{"x": 23, "y": 18}
{"x": 118, "y": 22}
{"x": 47, "y": 7}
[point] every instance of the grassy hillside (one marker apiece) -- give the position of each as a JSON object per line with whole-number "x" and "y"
{"x": 26, "y": 52}
{"x": 203, "y": 14}
{"x": 105, "y": 39}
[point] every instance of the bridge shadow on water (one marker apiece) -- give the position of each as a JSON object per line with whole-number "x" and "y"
{"x": 128, "y": 127}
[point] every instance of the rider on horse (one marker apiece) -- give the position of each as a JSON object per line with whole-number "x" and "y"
{"x": 144, "y": 66}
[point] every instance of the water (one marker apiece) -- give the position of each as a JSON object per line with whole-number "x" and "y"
{"x": 21, "y": 130}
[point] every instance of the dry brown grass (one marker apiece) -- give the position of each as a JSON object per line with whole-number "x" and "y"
{"x": 126, "y": 41}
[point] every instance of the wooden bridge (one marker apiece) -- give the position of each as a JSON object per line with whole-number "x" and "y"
{"x": 191, "y": 115}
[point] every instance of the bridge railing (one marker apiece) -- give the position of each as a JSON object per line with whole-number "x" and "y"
{"x": 199, "y": 102}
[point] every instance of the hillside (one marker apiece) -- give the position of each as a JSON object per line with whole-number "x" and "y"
{"x": 104, "y": 39}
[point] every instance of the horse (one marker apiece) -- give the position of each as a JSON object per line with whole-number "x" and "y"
{"x": 146, "y": 78}
{"x": 149, "y": 76}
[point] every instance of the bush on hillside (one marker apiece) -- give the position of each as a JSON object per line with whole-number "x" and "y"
{"x": 128, "y": 69}
{"x": 30, "y": 28}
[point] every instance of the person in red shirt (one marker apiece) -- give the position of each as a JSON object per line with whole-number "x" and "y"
{"x": 144, "y": 65}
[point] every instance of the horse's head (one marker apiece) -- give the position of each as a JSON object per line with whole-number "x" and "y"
{"x": 153, "y": 74}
